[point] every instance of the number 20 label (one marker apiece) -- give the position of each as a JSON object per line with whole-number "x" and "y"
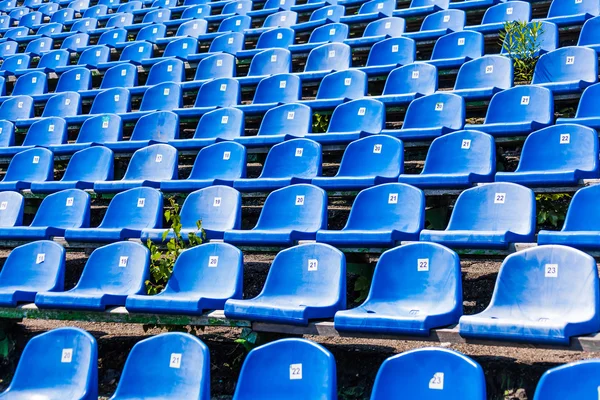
{"x": 551, "y": 270}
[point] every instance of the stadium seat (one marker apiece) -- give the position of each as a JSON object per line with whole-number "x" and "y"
{"x": 204, "y": 278}
{"x": 557, "y": 382}
{"x": 563, "y": 12}
{"x": 13, "y": 63}
{"x": 544, "y": 294}
{"x": 271, "y": 7}
{"x": 39, "y": 46}
{"x": 305, "y": 282}
{"x": 439, "y": 24}
{"x": 156, "y": 127}
{"x": 454, "y": 49}
{"x": 192, "y": 27}
{"x": 12, "y": 206}
{"x": 319, "y": 17}
{"x": 288, "y": 163}
{"x": 8, "y": 49}
{"x": 127, "y": 215}
{"x": 380, "y": 216}
{"x": 30, "y": 84}
{"x": 85, "y": 167}
{"x": 179, "y": 48}
{"x": 480, "y": 79}
{"x": 72, "y": 80}
{"x": 218, "y": 65}
{"x": 61, "y": 364}
{"x": 16, "y": 107}
{"x": 459, "y": 159}
{"x": 587, "y": 113}
{"x": 113, "y": 37}
{"x": 33, "y": 164}
{"x": 222, "y": 124}
{"x": 48, "y": 62}
{"x": 590, "y": 34}
{"x": 29, "y": 269}
{"x": 338, "y": 87}
{"x": 75, "y": 42}
{"x": 566, "y": 70}
{"x": 44, "y": 132}
{"x": 517, "y": 111}
{"x": 330, "y": 33}
{"x": 273, "y": 91}
{"x": 351, "y": 121}
{"x": 546, "y": 38}
{"x": 325, "y": 59}
{"x": 109, "y": 101}
{"x": 233, "y": 24}
{"x": 120, "y": 76}
{"x": 216, "y": 164}
{"x": 489, "y": 216}
{"x": 388, "y": 54}
{"x": 406, "y": 300}
{"x": 266, "y": 63}
{"x": 430, "y": 373}
{"x": 378, "y": 30}
{"x": 404, "y": 84}
{"x": 280, "y": 19}
{"x": 289, "y": 214}
{"x": 132, "y": 54}
{"x": 370, "y": 11}
{"x": 111, "y": 273}
{"x": 421, "y": 7}
{"x": 147, "y": 167}
{"x": 63, "y": 105}
{"x": 495, "y": 16}
{"x": 185, "y": 375}
{"x": 57, "y": 212}
{"x": 165, "y": 96}
{"x": 367, "y": 162}
{"x": 167, "y": 70}
{"x": 96, "y": 129}
{"x": 281, "y": 38}
{"x": 445, "y": 113}
{"x": 312, "y": 372}
{"x": 221, "y": 92}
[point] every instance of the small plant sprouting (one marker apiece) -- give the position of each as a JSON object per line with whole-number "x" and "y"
{"x": 521, "y": 42}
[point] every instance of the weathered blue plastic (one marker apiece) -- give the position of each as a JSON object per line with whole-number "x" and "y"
{"x": 445, "y": 113}
{"x": 233, "y": 24}
{"x": 74, "y": 80}
{"x": 388, "y": 54}
{"x": 63, "y": 104}
{"x": 51, "y": 60}
{"x": 416, "y": 287}
{"x": 34, "y": 164}
{"x": 43, "y": 367}
{"x": 439, "y": 24}
{"x": 85, "y": 167}
{"x": 16, "y": 107}
{"x": 564, "y": 13}
{"x": 587, "y": 113}
{"x": 127, "y": 215}
{"x": 557, "y": 383}
{"x": 547, "y": 38}
{"x": 370, "y": 11}
{"x": 495, "y": 16}
{"x": 377, "y": 30}
{"x": 406, "y": 83}
{"x": 12, "y": 206}
{"x": 265, "y": 372}
{"x": 225, "y": 123}
{"x": 325, "y": 59}
{"x": 204, "y": 278}
{"x": 289, "y": 214}
{"x": 221, "y": 92}
{"x": 288, "y": 163}
{"x": 59, "y": 211}
{"x": 454, "y": 49}
{"x": 133, "y": 54}
{"x": 8, "y": 48}
{"x": 31, "y": 84}
{"x": 381, "y": 216}
{"x": 544, "y": 294}
{"x": 557, "y": 155}
{"x": 459, "y": 159}
{"x": 75, "y": 42}
{"x": 165, "y": 96}
{"x": 111, "y": 273}
{"x": 489, "y": 216}
{"x": 96, "y": 129}
{"x": 39, "y": 46}
{"x": 305, "y": 282}
{"x": 219, "y": 65}
{"x": 321, "y": 16}
{"x": 338, "y": 87}
{"x": 367, "y": 162}
{"x": 422, "y": 7}
{"x": 217, "y": 164}
{"x": 273, "y": 38}
{"x": 169, "y": 70}
{"x": 589, "y": 36}
{"x": 172, "y": 365}
{"x": 13, "y": 63}
{"x": 273, "y": 91}
{"x": 329, "y": 33}
{"x": 29, "y": 269}
{"x": 480, "y": 79}
{"x": 267, "y": 62}
{"x": 63, "y": 15}
{"x": 566, "y": 70}
{"x": 279, "y": 19}
{"x": 430, "y": 373}
{"x": 120, "y": 76}
{"x": 44, "y": 132}
{"x": 518, "y": 111}
{"x": 156, "y": 127}
{"x": 290, "y": 120}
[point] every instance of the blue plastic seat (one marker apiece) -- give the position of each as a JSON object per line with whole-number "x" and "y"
{"x": 13, "y": 63}
{"x": 111, "y": 273}
{"x": 61, "y": 363}
{"x": 185, "y": 375}
{"x": 30, "y": 84}
{"x": 29, "y": 269}
{"x": 371, "y": 11}
{"x": 272, "y": 6}
{"x": 587, "y": 113}
{"x": 218, "y": 65}
{"x": 289, "y": 214}
{"x": 286, "y": 121}
{"x": 279, "y": 19}
{"x": 12, "y": 207}
{"x": 119, "y": 76}
{"x": 89, "y": 58}
{"x": 59, "y": 211}
{"x": 76, "y": 42}
{"x": 566, "y": 70}
{"x": 389, "y": 54}
{"x": 330, "y": 33}
{"x": 266, "y": 63}
{"x": 459, "y": 159}
{"x": 430, "y": 373}
{"x": 31, "y": 19}
{"x": 325, "y": 59}
{"x": 168, "y": 70}
{"x": 445, "y": 113}
{"x": 305, "y": 282}
{"x": 94, "y": 130}
{"x": 221, "y": 92}
{"x": 165, "y": 96}
{"x": 590, "y": 34}
{"x": 73, "y": 80}
{"x": 339, "y": 87}
{"x": 39, "y": 46}
{"x": 156, "y": 127}
{"x": 288, "y": 163}
{"x": 34, "y": 164}
{"x": 133, "y": 54}
{"x": 546, "y": 39}
{"x": 517, "y": 111}
{"x": 557, "y": 155}
{"x": 556, "y": 297}
{"x": 439, "y": 24}
{"x": 564, "y": 13}
{"x": 16, "y": 107}
{"x": 63, "y": 15}
{"x": 15, "y": 33}
{"x": 192, "y": 28}
{"x": 367, "y": 162}
{"x": 480, "y": 79}
{"x": 404, "y": 84}
{"x": 489, "y": 216}
{"x": 273, "y": 91}
{"x": 233, "y": 24}
{"x": 557, "y": 383}
{"x": 495, "y": 16}
{"x": 422, "y": 7}
{"x": 408, "y": 300}
{"x": 7, "y": 133}
{"x": 44, "y": 132}
{"x": 454, "y": 49}
{"x": 231, "y": 43}
{"x": 281, "y": 38}
{"x": 378, "y": 30}
{"x": 49, "y": 61}
{"x": 217, "y": 164}
{"x": 112, "y": 37}
{"x": 148, "y": 166}
{"x": 179, "y": 48}
{"x": 79, "y": 5}
{"x": 319, "y": 17}
{"x": 312, "y": 373}
{"x": 381, "y": 216}
{"x": 8, "y": 48}
{"x": 225, "y": 123}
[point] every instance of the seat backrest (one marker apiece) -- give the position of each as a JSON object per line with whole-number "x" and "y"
{"x": 68, "y": 208}
{"x": 31, "y": 19}
{"x": 17, "y": 107}
{"x": 521, "y": 103}
{"x": 583, "y": 213}
{"x": 218, "y": 208}
{"x": 111, "y": 101}
{"x": 138, "y": 208}
{"x": 443, "y": 4}
{"x": 79, "y": 5}
{"x": 299, "y": 207}
{"x": 280, "y": 88}
{"x": 156, "y": 162}
{"x": 287, "y": 119}
{"x": 377, "y": 155}
{"x": 509, "y": 11}
{"x": 75, "y": 42}
{"x": 446, "y": 19}
{"x": 165, "y": 96}
{"x": 331, "y": 13}
{"x": 442, "y": 110}
{"x": 48, "y": 9}
{"x": 65, "y": 358}
{"x": 299, "y": 158}
{"x": 590, "y": 33}
{"x": 227, "y": 43}
{"x": 13, "y": 63}
{"x": 219, "y": 65}
{"x": 236, "y": 23}
{"x": 120, "y": 76}
{"x": 225, "y": 123}
{"x": 270, "y": 62}
{"x": 495, "y": 207}
{"x": 63, "y": 15}
{"x": 100, "y": 129}
{"x": 389, "y": 26}
{"x": 157, "y": 16}
{"x": 13, "y": 33}
{"x": 276, "y": 38}
{"x": 74, "y": 80}
{"x": 224, "y": 160}
{"x": 485, "y": 72}
{"x": 330, "y": 33}
{"x": 364, "y": 115}
{"x": 160, "y": 126}
{"x": 15, "y": 13}
{"x": 91, "y": 164}
{"x": 349, "y": 84}
{"x": 8, "y": 48}
{"x": 571, "y": 63}
{"x": 556, "y": 382}
{"x": 39, "y": 46}
{"x": 559, "y": 8}
{"x": 279, "y": 4}
{"x": 281, "y": 19}
{"x": 221, "y": 92}
{"x": 587, "y": 104}
{"x": 546, "y": 38}
{"x": 120, "y": 20}
{"x": 65, "y": 104}
{"x": 181, "y": 48}
{"x": 296, "y": 369}
{"x": 462, "y": 152}
{"x": 84, "y": 25}
{"x": 7, "y": 133}
{"x": 381, "y": 7}
{"x": 168, "y": 70}
{"x": 130, "y": 6}
{"x": 172, "y": 365}
{"x": 12, "y": 206}
{"x": 95, "y": 11}
{"x": 118, "y": 269}
{"x": 397, "y": 51}
{"x": 413, "y": 78}
{"x": 560, "y": 147}
{"x": 329, "y": 57}
{"x": 113, "y": 36}
{"x": 449, "y": 373}
{"x": 136, "y": 52}
{"x": 196, "y": 12}
{"x": 458, "y": 44}
{"x": 239, "y": 7}
{"x": 46, "y": 131}
{"x": 31, "y": 84}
